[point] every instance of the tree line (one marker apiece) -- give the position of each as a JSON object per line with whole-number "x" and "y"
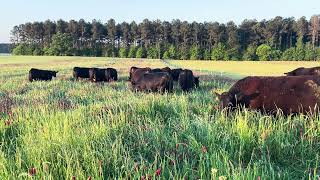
{"x": 275, "y": 39}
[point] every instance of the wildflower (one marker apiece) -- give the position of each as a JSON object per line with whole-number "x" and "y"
{"x": 73, "y": 178}
{"x": 177, "y": 146}
{"x": 143, "y": 178}
{"x": 158, "y": 172}
{"x": 222, "y": 178}
{"x": 204, "y": 149}
{"x": 301, "y": 132}
{"x": 136, "y": 166}
{"x": 100, "y": 168}
{"x": 32, "y": 171}
{"x": 214, "y": 172}
{"x": 89, "y": 178}
{"x": 7, "y": 123}
{"x": 258, "y": 177}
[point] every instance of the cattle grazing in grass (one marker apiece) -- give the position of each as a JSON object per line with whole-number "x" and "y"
{"x": 81, "y": 72}
{"x": 97, "y": 74}
{"x": 175, "y": 74}
{"x": 291, "y": 94}
{"x": 102, "y": 74}
{"x": 154, "y": 82}
{"x": 112, "y": 74}
{"x": 314, "y": 71}
{"x": 137, "y": 73}
{"x": 187, "y": 81}
{"x": 41, "y": 75}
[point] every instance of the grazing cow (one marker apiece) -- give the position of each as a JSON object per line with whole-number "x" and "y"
{"x": 41, "y": 75}
{"x": 175, "y": 74}
{"x": 133, "y": 69}
{"x": 154, "y": 82}
{"x": 137, "y": 73}
{"x": 187, "y": 81}
{"x": 80, "y": 72}
{"x": 97, "y": 74}
{"x": 101, "y": 74}
{"x": 111, "y": 74}
{"x": 291, "y": 94}
{"x": 315, "y": 71}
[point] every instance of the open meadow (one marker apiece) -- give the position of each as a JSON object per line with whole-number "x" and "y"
{"x": 66, "y": 129}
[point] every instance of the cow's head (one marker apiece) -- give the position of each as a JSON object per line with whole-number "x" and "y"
{"x": 295, "y": 72}
{"x": 231, "y": 100}
{"x": 54, "y": 73}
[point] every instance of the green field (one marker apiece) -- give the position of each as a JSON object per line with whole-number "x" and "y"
{"x": 64, "y": 129}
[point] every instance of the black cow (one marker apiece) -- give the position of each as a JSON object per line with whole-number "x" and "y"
{"x": 187, "y": 81}
{"x": 81, "y": 72}
{"x": 97, "y": 74}
{"x": 42, "y": 75}
{"x": 154, "y": 82}
{"x": 112, "y": 74}
{"x": 175, "y": 74}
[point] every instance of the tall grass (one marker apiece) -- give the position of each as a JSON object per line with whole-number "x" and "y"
{"x": 64, "y": 129}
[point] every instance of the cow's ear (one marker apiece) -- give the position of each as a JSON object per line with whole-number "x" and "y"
{"x": 56, "y": 71}
{"x": 286, "y": 73}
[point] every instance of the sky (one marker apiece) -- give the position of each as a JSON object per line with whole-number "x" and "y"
{"x": 15, "y": 12}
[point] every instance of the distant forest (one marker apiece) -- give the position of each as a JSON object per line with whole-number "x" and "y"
{"x": 275, "y": 39}
{"x": 5, "y": 48}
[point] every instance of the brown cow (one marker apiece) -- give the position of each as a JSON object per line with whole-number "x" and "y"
{"x": 136, "y": 73}
{"x": 314, "y": 71}
{"x": 154, "y": 82}
{"x": 291, "y": 94}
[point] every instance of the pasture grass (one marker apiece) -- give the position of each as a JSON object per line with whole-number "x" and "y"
{"x": 64, "y": 129}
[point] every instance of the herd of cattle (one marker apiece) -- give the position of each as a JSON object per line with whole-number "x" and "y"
{"x": 142, "y": 79}
{"x": 297, "y": 92}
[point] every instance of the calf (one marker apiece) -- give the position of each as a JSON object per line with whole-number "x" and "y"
{"x": 154, "y": 82}
{"x": 291, "y": 94}
{"x": 187, "y": 81}
{"x": 315, "y": 71}
{"x": 80, "y": 72}
{"x": 42, "y": 75}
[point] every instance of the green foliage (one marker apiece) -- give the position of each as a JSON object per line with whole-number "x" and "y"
{"x": 233, "y": 54}
{"x": 195, "y": 53}
{"x": 38, "y": 52}
{"x": 23, "y": 49}
{"x": 219, "y": 52}
{"x": 141, "y": 53}
{"x": 206, "y": 54}
{"x": 61, "y": 45}
{"x": 132, "y": 52}
{"x": 310, "y": 53}
{"x": 266, "y": 53}
{"x": 123, "y": 52}
{"x": 250, "y": 53}
{"x": 171, "y": 53}
{"x": 153, "y": 53}
{"x": 289, "y": 54}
